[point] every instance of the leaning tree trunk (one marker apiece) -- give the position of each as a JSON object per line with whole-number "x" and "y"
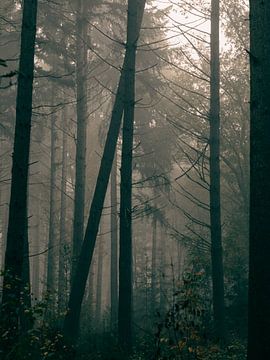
{"x": 259, "y": 264}
{"x": 125, "y": 252}
{"x": 114, "y": 246}
{"x": 215, "y": 211}
{"x": 72, "y": 319}
{"x": 16, "y": 234}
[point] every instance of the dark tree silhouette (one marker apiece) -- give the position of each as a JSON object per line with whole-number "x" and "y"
{"x": 17, "y": 224}
{"x": 259, "y": 271}
{"x": 72, "y": 319}
{"x": 81, "y": 108}
{"x": 125, "y": 255}
{"x": 215, "y": 211}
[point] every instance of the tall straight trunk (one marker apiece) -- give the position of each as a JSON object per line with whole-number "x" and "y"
{"x": 81, "y": 87}
{"x": 125, "y": 251}
{"x": 114, "y": 245}
{"x": 52, "y": 243}
{"x": 26, "y": 319}
{"x": 18, "y": 198}
{"x": 91, "y": 290}
{"x": 81, "y": 84}
{"x": 215, "y": 211}
{"x": 62, "y": 291}
{"x": 162, "y": 272}
{"x": 99, "y": 281}
{"x": 259, "y": 251}
{"x": 36, "y": 259}
{"x": 4, "y": 221}
{"x": 72, "y": 319}
{"x": 154, "y": 263}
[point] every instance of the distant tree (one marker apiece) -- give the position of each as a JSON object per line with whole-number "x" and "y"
{"x": 259, "y": 264}
{"x": 53, "y": 240}
{"x": 81, "y": 109}
{"x": 17, "y": 224}
{"x": 71, "y": 324}
{"x": 215, "y": 207}
{"x": 62, "y": 278}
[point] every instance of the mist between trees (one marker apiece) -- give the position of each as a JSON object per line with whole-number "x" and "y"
{"x": 134, "y": 139}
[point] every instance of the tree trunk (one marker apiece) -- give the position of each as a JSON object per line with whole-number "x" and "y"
{"x": 52, "y": 244}
{"x": 18, "y": 199}
{"x": 154, "y": 264}
{"x": 125, "y": 252}
{"x": 162, "y": 272}
{"x": 99, "y": 281}
{"x": 72, "y": 319}
{"x": 36, "y": 259}
{"x": 81, "y": 83}
{"x": 26, "y": 319}
{"x": 62, "y": 290}
{"x": 114, "y": 246}
{"x": 215, "y": 211}
{"x": 259, "y": 264}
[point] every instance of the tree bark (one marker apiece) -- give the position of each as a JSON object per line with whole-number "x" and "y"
{"x": 259, "y": 264}
{"x": 125, "y": 251}
{"x": 72, "y": 319}
{"x": 16, "y": 234}
{"x": 215, "y": 211}
{"x": 114, "y": 246}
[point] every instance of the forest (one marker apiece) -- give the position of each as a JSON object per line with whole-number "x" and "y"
{"x": 134, "y": 190}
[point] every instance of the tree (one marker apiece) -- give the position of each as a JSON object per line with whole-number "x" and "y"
{"x": 63, "y": 212}
{"x": 71, "y": 323}
{"x": 259, "y": 248}
{"x": 81, "y": 108}
{"x": 53, "y": 241}
{"x": 114, "y": 245}
{"x": 17, "y": 224}
{"x": 125, "y": 255}
{"x": 215, "y": 208}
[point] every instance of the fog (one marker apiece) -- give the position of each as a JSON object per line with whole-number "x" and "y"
{"x": 124, "y": 179}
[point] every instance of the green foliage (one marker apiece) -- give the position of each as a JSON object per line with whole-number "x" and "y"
{"x": 185, "y": 333}
{"x": 35, "y": 338}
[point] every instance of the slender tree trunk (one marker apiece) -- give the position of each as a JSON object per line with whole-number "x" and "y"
{"x": 72, "y": 319}
{"x": 215, "y": 212}
{"x": 4, "y": 222}
{"x": 99, "y": 286}
{"x": 125, "y": 255}
{"x": 36, "y": 259}
{"x": 81, "y": 83}
{"x": 26, "y": 319}
{"x": 52, "y": 244}
{"x": 18, "y": 199}
{"x": 91, "y": 290}
{"x": 62, "y": 290}
{"x": 114, "y": 245}
{"x": 259, "y": 264}
{"x": 154, "y": 264}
